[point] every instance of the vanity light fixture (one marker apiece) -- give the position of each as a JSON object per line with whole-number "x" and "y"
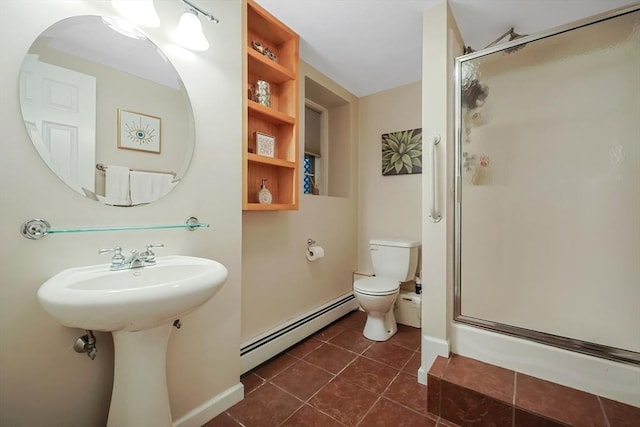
{"x": 189, "y": 32}
{"x": 140, "y": 12}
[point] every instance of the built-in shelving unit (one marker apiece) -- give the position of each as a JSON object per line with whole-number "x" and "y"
{"x": 279, "y": 120}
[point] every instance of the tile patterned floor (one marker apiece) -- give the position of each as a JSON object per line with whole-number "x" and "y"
{"x": 337, "y": 378}
{"x": 470, "y": 392}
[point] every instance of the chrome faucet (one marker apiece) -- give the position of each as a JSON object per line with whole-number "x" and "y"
{"x": 135, "y": 258}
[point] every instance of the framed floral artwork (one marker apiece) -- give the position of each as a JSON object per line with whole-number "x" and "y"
{"x": 140, "y": 132}
{"x": 402, "y": 152}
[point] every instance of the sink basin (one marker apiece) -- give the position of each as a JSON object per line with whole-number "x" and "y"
{"x": 138, "y": 307}
{"x": 98, "y": 299}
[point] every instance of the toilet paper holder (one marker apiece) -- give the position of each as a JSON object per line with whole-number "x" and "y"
{"x": 314, "y": 252}
{"x": 310, "y": 242}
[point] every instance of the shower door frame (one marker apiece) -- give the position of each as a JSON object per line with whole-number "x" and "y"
{"x": 585, "y": 347}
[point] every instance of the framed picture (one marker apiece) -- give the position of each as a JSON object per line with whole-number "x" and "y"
{"x": 140, "y": 132}
{"x": 265, "y": 145}
{"x": 402, "y": 152}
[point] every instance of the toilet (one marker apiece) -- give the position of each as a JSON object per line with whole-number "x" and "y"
{"x": 394, "y": 262}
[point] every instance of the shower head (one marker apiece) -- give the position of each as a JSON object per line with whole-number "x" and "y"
{"x": 512, "y": 36}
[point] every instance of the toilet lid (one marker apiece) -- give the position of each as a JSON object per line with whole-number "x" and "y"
{"x": 376, "y": 286}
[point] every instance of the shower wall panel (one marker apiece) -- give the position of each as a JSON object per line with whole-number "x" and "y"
{"x": 550, "y": 194}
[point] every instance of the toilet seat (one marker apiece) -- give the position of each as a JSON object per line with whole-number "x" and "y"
{"x": 376, "y": 286}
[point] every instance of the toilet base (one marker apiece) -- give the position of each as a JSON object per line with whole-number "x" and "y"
{"x": 380, "y": 327}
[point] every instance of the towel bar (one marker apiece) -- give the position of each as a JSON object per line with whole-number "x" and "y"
{"x": 103, "y": 168}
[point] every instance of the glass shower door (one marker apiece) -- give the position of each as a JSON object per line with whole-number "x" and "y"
{"x": 547, "y": 227}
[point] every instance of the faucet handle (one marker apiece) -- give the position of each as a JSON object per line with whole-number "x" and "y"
{"x": 152, "y": 246}
{"x": 117, "y": 258}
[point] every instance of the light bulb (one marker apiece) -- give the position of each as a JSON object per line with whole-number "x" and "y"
{"x": 189, "y": 32}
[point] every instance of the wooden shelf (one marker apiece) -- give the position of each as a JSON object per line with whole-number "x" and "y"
{"x": 270, "y": 207}
{"x": 267, "y": 69}
{"x": 269, "y": 114}
{"x": 262, "y": 22}
{"x": 279, "y": 120}
{"x": 251, "y": 157}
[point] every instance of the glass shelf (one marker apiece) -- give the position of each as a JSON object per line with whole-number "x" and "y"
{"x": 37, "y": 229}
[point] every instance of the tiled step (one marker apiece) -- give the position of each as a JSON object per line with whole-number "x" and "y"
{"x": 472, "y": 393}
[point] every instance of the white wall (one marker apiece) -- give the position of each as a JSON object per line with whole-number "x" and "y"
{"x": 389, "y": 206}
{"x": 42, "y": 380}
{"x": 278, "y": 283}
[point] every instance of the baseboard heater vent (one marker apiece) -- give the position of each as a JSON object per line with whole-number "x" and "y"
{"x": 265, "y": 346}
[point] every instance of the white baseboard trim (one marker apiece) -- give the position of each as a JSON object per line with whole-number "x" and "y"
{"x": 263, "y": 347}
{"x": 210, "y": 409}
{"x": 422, "y": 375}
{"x": 432, "y": 347}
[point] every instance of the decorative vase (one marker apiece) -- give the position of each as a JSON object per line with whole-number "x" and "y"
{"x": 262, "y": 93}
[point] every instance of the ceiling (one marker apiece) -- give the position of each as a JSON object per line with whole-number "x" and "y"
{"x": 368, "y": 46}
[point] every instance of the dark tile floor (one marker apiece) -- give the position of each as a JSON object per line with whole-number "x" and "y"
{"x": 470, "y": 392}
{"x": 337, "y": 378}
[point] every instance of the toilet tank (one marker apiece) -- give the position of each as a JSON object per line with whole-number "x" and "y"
{"x": 394, "y": 259}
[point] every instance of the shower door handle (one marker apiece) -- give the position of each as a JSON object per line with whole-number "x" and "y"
{"x": 434, "y": 215}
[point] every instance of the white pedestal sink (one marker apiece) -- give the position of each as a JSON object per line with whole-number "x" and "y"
{"x": 138, "y": 306}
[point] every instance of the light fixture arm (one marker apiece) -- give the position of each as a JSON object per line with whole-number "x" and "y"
{"x": 209, "y": 16}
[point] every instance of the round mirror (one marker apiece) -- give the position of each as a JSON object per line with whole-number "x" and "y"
{"x": 106, "y": 110}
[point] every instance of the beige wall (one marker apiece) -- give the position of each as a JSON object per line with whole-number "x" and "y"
{"x": 278, "y": 283}
{"x": 546, "y": 200}
{"x": 339, "y": 170}
{"x": 42, "y": 380}
{"x": 441, "y": 44}
{"x": 390, "y": 206}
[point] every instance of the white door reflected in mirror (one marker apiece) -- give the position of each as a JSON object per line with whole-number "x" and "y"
{"x": 59, "y": 110}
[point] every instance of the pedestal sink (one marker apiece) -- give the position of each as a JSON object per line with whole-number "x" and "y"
{"x": 138, "y": 306}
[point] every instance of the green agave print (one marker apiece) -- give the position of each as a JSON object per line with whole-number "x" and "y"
{"x": 402, "y": 152}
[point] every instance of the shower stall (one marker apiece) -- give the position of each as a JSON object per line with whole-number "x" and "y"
{"x": 547, "y": 188}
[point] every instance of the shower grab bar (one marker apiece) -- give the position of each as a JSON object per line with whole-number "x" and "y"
{"x": 434, "y": 215}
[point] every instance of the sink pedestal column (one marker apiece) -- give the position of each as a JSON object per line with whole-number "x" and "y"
{"x": 140, "y": 397}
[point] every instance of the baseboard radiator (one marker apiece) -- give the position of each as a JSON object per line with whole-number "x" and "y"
{"x": 263, "y": 347}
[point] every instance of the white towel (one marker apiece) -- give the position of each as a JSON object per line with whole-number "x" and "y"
{"x": 147, "y": 187}
{"x": 117, "y": 186}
